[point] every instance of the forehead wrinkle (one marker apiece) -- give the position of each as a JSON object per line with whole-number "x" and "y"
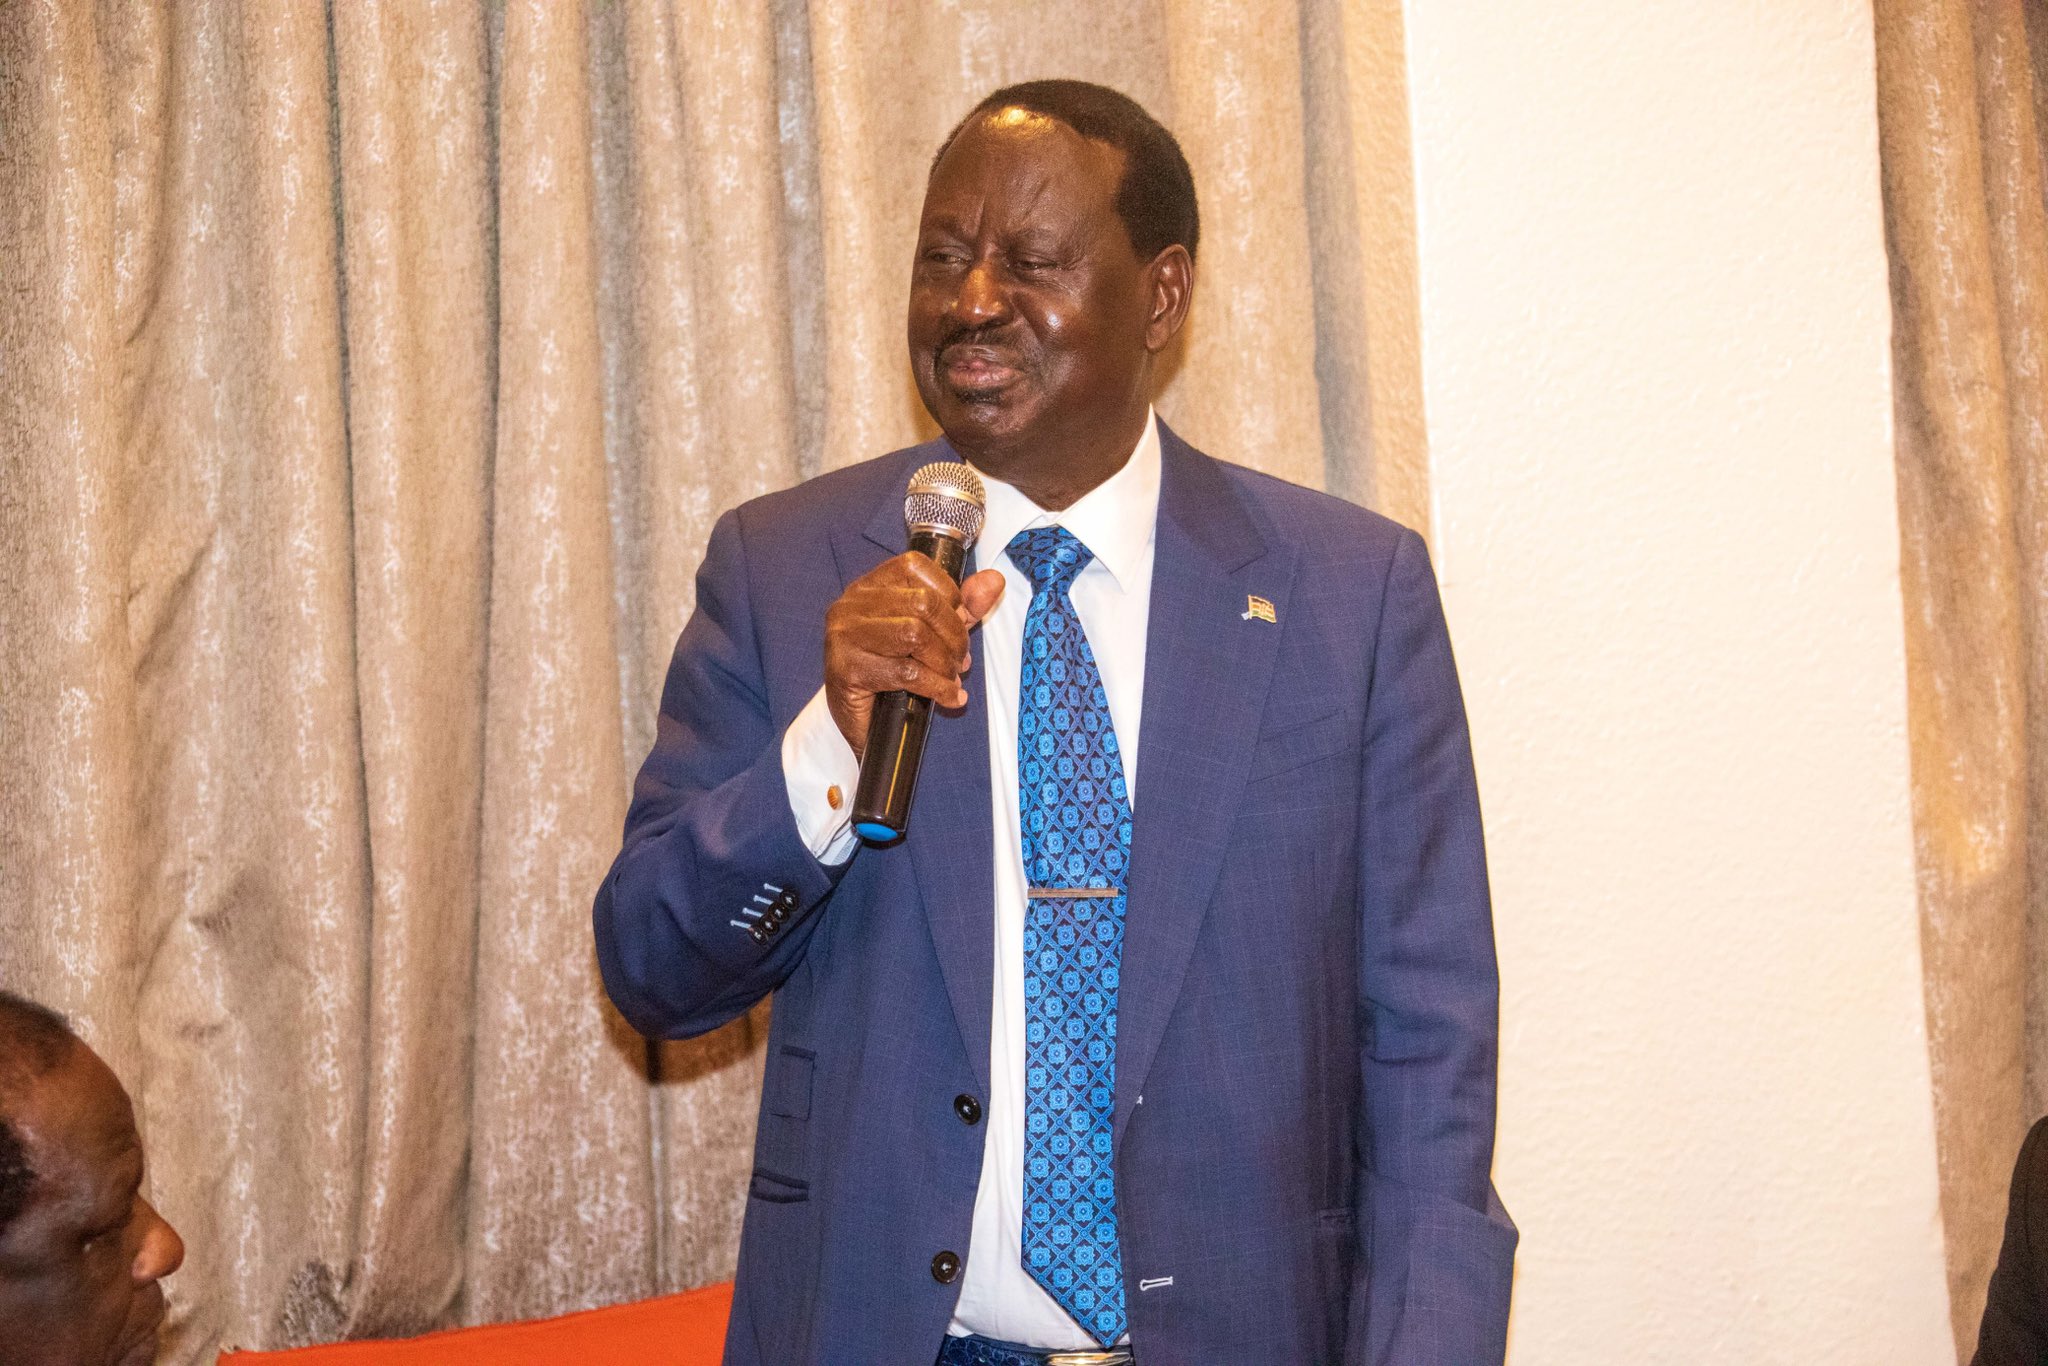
{"x": 1038, "y": 192}
{"x": 966, "y": 214}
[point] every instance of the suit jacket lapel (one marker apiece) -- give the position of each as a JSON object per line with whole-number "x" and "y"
{"x": 1207, "y": 670}
{"x": 949, "y": 843}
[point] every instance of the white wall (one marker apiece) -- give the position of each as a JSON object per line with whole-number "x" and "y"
{"x": 1656, "y": 375}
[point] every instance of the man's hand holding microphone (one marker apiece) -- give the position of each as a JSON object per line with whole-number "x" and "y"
{"x": 902, "y": 627}
{"x": 896, "y": 644}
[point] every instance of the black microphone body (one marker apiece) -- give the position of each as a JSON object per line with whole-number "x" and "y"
{"x": 900, "y": 721}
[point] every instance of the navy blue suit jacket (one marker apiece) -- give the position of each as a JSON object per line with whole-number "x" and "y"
{"x": 1304, "y": 1105}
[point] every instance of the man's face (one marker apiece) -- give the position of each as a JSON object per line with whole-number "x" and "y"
{"x": 79, "y": 1266}
{"x": 1031, "y": 318}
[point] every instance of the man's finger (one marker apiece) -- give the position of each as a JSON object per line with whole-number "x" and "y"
{"x": 938, "y": 645}
{"x": 979, "y": 594}
{"x": 938, "y": 597}
{"x": 879, "y": 674}
{"x": 925, "y": 571}
{"x": 911, "y": 634}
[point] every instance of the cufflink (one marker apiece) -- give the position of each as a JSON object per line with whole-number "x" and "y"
{"x": 834, "y": 797}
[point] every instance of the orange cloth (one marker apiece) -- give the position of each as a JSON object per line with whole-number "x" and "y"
{"x": 675, "y": 1330}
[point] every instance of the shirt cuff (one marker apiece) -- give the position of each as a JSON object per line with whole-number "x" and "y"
{"x": 817, "y": 767}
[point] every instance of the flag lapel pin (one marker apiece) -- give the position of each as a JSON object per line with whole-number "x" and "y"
{"x": 1257, "y": 608}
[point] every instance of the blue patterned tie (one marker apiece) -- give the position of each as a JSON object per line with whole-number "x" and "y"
{"x": 1077, "y": 834}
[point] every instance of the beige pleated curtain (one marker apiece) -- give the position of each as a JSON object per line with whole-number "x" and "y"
{"x": 370, "y": 376}
{"x": 1963, "y": 106}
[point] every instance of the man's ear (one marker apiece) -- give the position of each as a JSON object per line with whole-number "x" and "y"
{"x": 1171, "y": 280}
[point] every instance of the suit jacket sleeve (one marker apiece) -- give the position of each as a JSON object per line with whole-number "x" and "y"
{"x": 1438, "y": 1250}
{"x": 2015, "y": 1330}
{"x": 713, "y": 895}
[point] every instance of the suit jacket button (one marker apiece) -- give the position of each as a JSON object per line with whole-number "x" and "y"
{"x": 968, "y": 1108}
{"x": 945, "y": 1267}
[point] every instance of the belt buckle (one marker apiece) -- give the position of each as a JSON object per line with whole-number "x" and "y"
{"x": 1116, "y": 1356}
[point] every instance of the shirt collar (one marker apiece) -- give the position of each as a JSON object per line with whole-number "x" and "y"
{"x": 1116, "y": 519}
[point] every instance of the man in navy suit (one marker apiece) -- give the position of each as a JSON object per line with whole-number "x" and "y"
{"x": 1168, "y": 1034}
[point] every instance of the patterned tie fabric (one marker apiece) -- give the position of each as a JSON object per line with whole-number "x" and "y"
{"x": 1077, "y": 834}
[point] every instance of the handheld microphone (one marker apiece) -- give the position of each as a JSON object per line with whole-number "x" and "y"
{"x": 943, "y": 510}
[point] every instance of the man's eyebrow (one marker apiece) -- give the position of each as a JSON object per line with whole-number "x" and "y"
{"x": 130, "y": 1167}
{"x": 1039, "y": 235}
{"x": 112, "y": 1206}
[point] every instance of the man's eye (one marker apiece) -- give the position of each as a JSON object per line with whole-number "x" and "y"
{"x": 944, "y": 256}
{"x": 96, "y": 1237}
{"x": 1032, "y": 265}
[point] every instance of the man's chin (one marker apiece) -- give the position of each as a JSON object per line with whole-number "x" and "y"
{"x": 139, "y": 1347}
{"x": 141, "y": 1352}
{"x": 982, "y": 403}
{"x": 979, "y": 418}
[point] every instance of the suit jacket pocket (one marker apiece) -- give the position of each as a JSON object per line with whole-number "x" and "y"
{"x": 776, "y": 1188}
{"x": 782, "y": 1143}
{"x": 786, "y": 1090}
{"x": 1336, "y": 1259}
{"x": 1298, "y": 745}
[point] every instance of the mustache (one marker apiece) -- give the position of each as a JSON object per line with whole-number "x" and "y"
{"x": 994, "y": 336}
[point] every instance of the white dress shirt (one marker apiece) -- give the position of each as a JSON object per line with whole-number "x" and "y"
{"x": 1113, "y": 598}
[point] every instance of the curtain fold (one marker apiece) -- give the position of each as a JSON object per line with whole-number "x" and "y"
{"x": 418, "y": 257}
{"x": 69, "y": 867}
{"x": 551, "y": 1061}
{"x": 371, "y": 375}
{"x": 1961, "y": 85}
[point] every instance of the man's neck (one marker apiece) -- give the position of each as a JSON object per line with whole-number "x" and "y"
{"x": 1056, "y": 482}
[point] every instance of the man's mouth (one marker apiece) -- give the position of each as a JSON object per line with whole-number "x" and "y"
{"x": 975, "y": 369}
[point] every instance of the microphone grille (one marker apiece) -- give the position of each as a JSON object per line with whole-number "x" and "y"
{"x": 945, "y": 496}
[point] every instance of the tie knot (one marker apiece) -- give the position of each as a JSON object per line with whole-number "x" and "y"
{"x": 1050, "y": 557}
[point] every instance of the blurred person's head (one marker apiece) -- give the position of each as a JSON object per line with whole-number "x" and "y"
{"x": 81, "y": 1252}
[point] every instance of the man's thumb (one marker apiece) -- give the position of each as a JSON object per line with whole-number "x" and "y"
{"x": 980, "y": 592}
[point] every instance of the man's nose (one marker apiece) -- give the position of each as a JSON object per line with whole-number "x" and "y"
{"x": 980, "y": 298}
{"x": 162, "y": 1251}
